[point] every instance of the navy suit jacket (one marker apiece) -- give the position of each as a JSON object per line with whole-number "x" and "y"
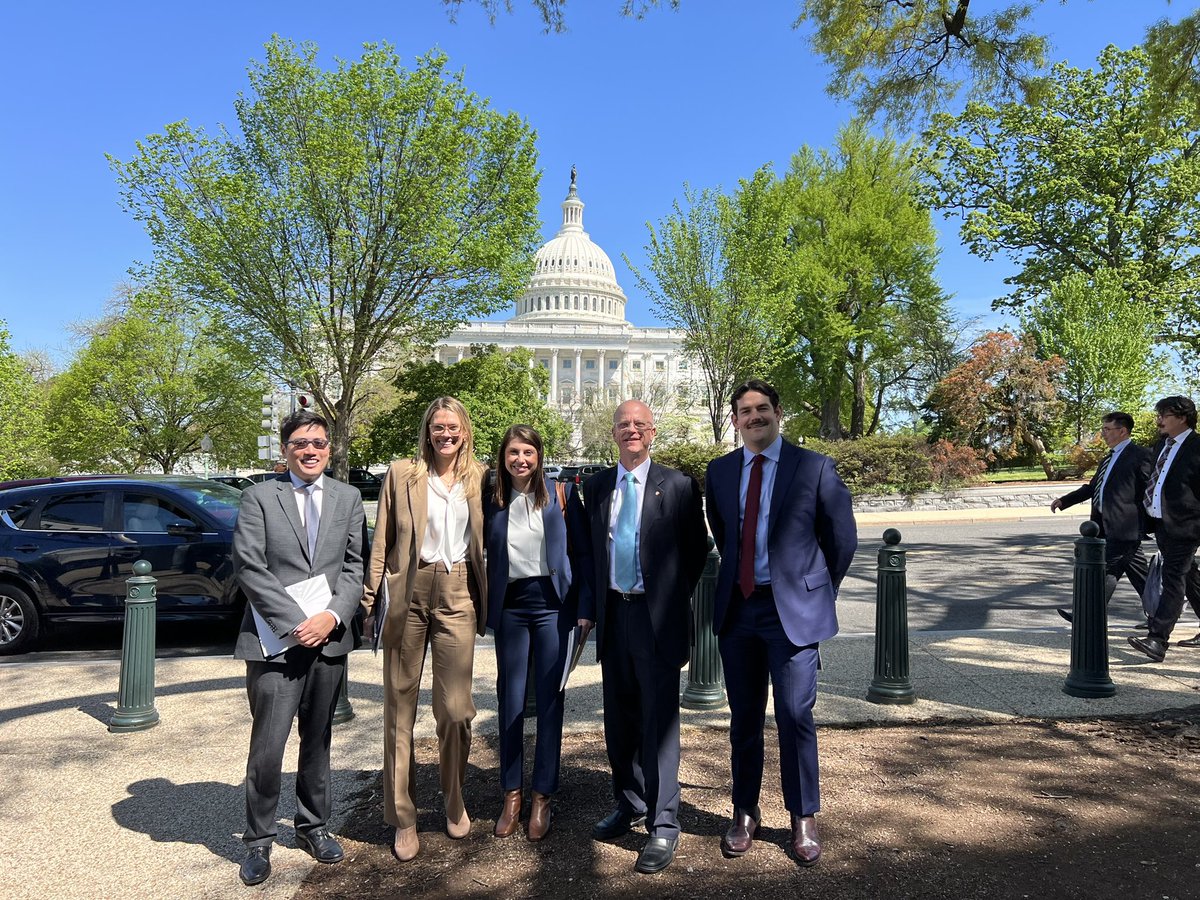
{"x": 811, "y": 538}
{"x": 495, "y": 540}
{"x": 672, "y": 548}
{"x": 1123, "y": 517}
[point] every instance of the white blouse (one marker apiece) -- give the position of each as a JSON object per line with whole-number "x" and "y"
{"x": 527, "y": 554}
{"x": 447, "y": 530}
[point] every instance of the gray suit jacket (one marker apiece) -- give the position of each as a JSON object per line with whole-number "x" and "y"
{"x": 270, "y": 550}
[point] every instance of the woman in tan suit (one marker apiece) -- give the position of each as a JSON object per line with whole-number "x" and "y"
{"x": 428, "y": 556}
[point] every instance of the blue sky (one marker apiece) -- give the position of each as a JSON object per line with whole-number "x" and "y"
{"x": 704, "y": 95}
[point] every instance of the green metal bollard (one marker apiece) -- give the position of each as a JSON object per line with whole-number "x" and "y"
{"x": 344, "y": 712}
{"x": 891, "y": 683}
{"x": 135, "y": 703}
{"x": 706, "y": 679}
{"x": 1089, "y": 613}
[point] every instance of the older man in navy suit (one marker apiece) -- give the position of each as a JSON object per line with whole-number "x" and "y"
{"x": 785, "y": 529}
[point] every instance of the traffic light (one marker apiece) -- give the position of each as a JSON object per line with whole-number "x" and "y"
{"x": 303, "y": 400}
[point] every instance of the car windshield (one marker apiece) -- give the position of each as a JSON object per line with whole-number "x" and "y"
{"x": 219, "y": 500}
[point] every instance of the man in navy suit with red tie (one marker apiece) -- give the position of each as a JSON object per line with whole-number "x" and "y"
{"x": 785, "y": 529}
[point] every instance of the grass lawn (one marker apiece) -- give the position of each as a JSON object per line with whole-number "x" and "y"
{"x": 1026, "y": 473}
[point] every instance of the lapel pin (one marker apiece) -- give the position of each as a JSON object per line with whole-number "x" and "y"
{"x": 658, "y": 493}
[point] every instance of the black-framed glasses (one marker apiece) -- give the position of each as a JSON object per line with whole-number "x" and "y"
{"x": 303, "y": 443}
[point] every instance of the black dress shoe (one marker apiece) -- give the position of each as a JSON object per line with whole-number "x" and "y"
{"x": 1153, "y": 647}
{"x": 257, "y": 867}
{"x": 1066, "y": 614}
{"x": 656, "y": 855}
{"x": 320, "y": 845}
{"x": 1192, "y": 642}
{"x": 617, "y": 823}
{"x": 740, "y": 836}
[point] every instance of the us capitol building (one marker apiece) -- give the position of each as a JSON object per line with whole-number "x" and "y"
{"x": 572, "y": 316}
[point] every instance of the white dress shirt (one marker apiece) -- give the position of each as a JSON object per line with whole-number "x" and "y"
{"x": 1116, "y": 451}
{"x": 300, "y": 490}
{"x": 1155, "y": 507}
{"x": 641, "y": 473}
{"x": 527, "y": 554}
{"x": 447, "y": 528}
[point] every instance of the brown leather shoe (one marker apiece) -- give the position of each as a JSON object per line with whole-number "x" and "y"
{"x": 510, "y": 815}
{"x": 806, "y": 843}
{"x": 741, "y": 833}
{"x": 539, "y": 817}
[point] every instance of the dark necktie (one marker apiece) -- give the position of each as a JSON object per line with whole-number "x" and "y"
{"x": 312, "y": 519}
{"x": 1101, "y": 470}
{"x": 1158, "y": 467}
{"x": 750, "y": 528}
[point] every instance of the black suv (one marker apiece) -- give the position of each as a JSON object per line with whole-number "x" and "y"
{"x": 367, "y": 483}
{"x": 67, "y": 547}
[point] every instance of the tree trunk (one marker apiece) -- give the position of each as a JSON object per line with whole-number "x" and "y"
{"x": 831, "y": 419}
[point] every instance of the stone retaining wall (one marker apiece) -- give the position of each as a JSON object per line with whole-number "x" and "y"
{"x": 993, "y": 496}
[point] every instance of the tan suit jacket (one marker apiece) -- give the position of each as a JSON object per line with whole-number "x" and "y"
{"x": 400, "y": 523}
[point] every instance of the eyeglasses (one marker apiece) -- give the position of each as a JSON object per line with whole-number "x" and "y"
{"x": 634, "y": 426}
{"x": 439, "y": 430}
{"x": 303, "y": 443}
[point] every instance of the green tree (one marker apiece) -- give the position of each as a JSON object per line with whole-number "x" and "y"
{"x": 499, "y": 388}
{"x": 1092, "y": 179}
{"x": 154, "y": 378}
{"x": 1106, "y": 344}
{"x": 353, "y": 216}
{"x": 1002, "y": 400}
{"x": 713, "y": 273}
{"x": 869, "y": 318}
{"x": 23, "y": 441}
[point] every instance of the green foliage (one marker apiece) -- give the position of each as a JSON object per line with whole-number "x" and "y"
{"x": 23, "y": 447}
{"x": 869, "y": 322}
{"x": 899, "y": 464}
{"x": 151, "y": 382}
{"x": 498, "y": 388}
{"x": 351, "y": 216}
{"x": 689, "y": 457}
{"x": 906, "y": 58}
{"x": 1106, "y": 344}
{"x": 713, "y": 273}
{"x": 1094, "y": 178}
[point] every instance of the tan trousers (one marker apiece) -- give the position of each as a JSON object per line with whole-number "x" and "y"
{"x": 441, "y": 616}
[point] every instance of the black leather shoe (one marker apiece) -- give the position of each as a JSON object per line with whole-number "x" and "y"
{"x": 1153, "y": 647}
{"x": 320, "y": 845}
{"x": 740, "y": 836}
{"x": 257, "y": 867}
{"x": 1192, "y": 642}
{"x": 1066, "y": 614}
{"x": 806, "y": 842}
{"x": 617, "y": 823}
{"x": 656, "y": 855}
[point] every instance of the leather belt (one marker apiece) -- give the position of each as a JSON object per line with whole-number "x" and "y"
{"x": 624, "y": 595}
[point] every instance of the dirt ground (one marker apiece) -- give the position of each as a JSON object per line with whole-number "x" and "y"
{"x": 1037, "y": 809}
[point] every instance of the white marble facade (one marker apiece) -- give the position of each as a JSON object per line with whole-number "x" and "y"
{"x": 572, "y": 316}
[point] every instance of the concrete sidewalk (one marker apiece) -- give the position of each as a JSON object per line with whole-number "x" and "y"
{"x": 159, "y": 813}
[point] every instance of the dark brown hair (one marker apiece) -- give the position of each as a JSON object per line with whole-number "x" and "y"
{"x": 526, "y": 434}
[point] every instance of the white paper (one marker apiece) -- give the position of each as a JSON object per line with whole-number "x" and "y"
{"x": 574, "y": 650}
{"x": 312, "y": 596}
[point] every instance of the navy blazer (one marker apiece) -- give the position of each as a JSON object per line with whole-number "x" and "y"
{"x": 672, "y": 549}
{"x": 495, "y": 540}
{"x": 811, "y": 539}
{"x": 1123, "y": 517}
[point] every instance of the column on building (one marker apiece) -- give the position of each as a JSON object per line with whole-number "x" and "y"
{"x": 647, "y": 361}
{"x": 578, "y": 375}
{"x": 621, "y": 355}
{"x": 602, "y": 381}
{"x": 555, "y": 400}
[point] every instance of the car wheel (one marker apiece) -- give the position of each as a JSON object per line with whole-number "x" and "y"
{"x": 18, "y": 620}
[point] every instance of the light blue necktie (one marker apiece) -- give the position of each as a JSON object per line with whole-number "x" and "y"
{"x": 312, "y": 519}
{"x": 625, "y": 537}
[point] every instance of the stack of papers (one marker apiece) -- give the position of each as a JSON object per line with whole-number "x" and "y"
{"x": 312, "y": 596}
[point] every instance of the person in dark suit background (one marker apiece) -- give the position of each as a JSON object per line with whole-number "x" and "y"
{"x": 533, "y": 607}
{"x": 1116, "y": 492}
{"x": 1172, "y": 502}
{"x": 785, "y": 529}
{"x": 289, "y": 529}
{"x": 640, "y": 542}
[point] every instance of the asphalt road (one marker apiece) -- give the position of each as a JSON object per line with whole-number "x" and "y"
{"x": 961, "y": 577}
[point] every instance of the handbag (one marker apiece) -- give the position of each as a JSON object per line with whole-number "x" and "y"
{"x": 1153, "y": 591}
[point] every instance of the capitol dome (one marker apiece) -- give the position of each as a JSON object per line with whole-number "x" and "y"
{"x": 573, "y": 279}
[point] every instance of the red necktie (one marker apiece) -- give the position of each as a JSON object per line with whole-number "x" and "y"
{"x": 750, "y": 528}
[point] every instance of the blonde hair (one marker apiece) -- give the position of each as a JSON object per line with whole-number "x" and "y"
{"x": 467, "y": 469}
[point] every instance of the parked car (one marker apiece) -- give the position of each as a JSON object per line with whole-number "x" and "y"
{"x": 579, "y": 474}
{"x": 67, "y": 547}
{"x": 260, "y": 476}
{"x": 234, "y": 481}
{"x": 552, "y": 472}
{"x": 368, "y": 483}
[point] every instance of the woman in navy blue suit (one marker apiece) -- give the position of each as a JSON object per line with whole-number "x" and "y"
{"x": 527, "y": 566}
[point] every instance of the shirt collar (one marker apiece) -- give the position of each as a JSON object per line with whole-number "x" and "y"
{"x": 772, "y": 452}
{"x": 302, "y": 485}
{"x": 641, "y": 472}
{"x": 1121, "y": 446}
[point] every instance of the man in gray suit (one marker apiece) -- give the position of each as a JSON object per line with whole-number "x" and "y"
{"x": 291, "y": 529}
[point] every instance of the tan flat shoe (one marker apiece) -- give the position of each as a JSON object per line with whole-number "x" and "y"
{"x": 406, "y": 846}
{"x": 460, "y": 829}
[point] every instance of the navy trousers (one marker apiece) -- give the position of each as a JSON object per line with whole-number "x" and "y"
{"x": 531, "y": 620}
{"x": 754, "y": 649}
